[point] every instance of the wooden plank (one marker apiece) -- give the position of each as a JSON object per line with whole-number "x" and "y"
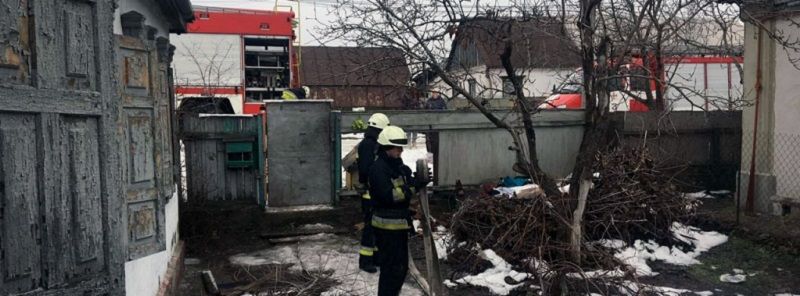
{"x": 417, "y": 276}
{"x": 19, "y": 210}
{"x": 431, "y": 258}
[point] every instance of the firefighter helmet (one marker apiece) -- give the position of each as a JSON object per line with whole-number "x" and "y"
{"x": 378, "y": 120}
{"x": 393, "y": 136}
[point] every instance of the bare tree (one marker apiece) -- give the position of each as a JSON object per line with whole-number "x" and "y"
{"x": 605, "y": 35}
{"x": 211, "y": 66}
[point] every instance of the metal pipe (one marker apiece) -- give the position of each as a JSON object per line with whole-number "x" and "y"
{"x": 750, "y": 203}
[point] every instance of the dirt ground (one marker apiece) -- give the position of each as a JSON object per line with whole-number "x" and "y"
{"x": 763, "y": 247}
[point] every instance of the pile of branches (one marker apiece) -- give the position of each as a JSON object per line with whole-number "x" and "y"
{"x": 277, "y": 280}
{"x": 516, "y": 229}
{"x": 633, "y": 198}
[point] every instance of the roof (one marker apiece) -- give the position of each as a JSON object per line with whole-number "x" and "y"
{"x": 540, "y": 43}
{"x": 353, "y": 66}
{"x": 766, "y": 8}
{"x": 178, "y": 12}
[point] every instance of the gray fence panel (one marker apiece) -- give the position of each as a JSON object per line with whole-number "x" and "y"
{"x": 299, "y": 153}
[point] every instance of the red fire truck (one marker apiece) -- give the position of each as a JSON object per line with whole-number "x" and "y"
{"x": 245, "y": 55}
{"x": 706, "y": 77}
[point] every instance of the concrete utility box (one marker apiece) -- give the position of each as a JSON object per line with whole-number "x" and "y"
{"x": 299, "y": 157}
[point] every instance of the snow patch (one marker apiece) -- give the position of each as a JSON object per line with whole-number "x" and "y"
{"x": 698, "y": 195}
{"x": 318, "y": 226}
{"x": 332, "y": 253}
{"x": 637, "y": 255}
{"x": 633, "y": 288}
{"x": 733, "y": 278}
{"x": 442, "y": 239}
{"x": 495, "y": 278}
{"x": 704, "y": 293}
{"x": 307, "y": 238}
{"x": 450, "y": 284}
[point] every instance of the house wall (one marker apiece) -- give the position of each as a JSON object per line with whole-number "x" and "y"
{"x": 787, "y": 116}
{"x": 489, "y": 84}
{"x": 143, "y": 276}
{"x": 777, "y": 158}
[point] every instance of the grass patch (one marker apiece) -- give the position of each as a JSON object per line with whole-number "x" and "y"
{"x": 751, "y": 257}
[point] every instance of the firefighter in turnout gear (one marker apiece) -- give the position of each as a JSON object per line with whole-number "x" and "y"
{"x": 367, "y": 150}
{"x": 391, "y": 187}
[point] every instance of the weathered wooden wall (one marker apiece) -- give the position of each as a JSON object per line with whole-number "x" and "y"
{"x": 208, "y": 177}
{"x": 62, "y": 189}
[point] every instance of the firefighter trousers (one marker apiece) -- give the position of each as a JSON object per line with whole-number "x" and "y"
{"x": 392, "y": 259}
{"x": 368, "y": 249}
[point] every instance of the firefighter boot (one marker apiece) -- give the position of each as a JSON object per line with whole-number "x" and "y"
{"x": 367, "y": 263}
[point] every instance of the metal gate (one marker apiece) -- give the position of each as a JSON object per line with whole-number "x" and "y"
{"x": 61, "y": 189}
{"x": 299, "y": 153}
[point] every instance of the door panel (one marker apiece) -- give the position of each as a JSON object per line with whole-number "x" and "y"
{"x": 19, "y": 210}
{"x": 148, "y": 147}
{"x": 61, "y": 189}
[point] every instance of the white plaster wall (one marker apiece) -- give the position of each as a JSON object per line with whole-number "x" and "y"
{"x": 787, "y": 115}
{"x": 537, "y": 82}
{"x": 224, "y": 50}
{"x": 143, "y": 276}
{"x": 148, "y": 8}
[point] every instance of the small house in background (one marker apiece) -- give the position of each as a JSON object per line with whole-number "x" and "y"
{"x": 542, "y": 54}
{"x": 371, "y": 77}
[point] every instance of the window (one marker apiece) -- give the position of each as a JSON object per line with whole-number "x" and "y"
{"x": 239, "y": 155}
{"x": 472, "y": 87}
{"x": 203, "y": 15}
{"x": 508, "y": 86}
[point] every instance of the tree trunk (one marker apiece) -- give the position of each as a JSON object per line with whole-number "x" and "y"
{"x": 659, "y": 76}
{"x": 597, "y": 105}
{"x": 531, "y": 164}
